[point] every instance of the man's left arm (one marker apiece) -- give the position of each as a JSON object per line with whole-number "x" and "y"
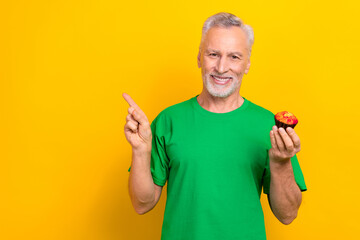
{"x": 284, "y": 195}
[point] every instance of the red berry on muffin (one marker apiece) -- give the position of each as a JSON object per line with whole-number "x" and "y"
{"x": 285, "y": 119}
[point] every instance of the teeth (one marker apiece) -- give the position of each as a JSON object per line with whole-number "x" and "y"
{"x": 221, "y": 79}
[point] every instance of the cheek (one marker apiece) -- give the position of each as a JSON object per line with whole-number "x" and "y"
{"x": 239, "y": 69}
{"x": 208, "y": 64}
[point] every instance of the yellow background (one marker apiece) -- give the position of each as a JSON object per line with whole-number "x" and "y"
{"x": 64, "y": 65}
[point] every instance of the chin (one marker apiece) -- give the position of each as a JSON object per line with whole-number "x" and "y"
{"x": 220, "y": 94}
{"x": 217, "y": 92}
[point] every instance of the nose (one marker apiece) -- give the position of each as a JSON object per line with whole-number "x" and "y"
{"x": 222, "y": 65}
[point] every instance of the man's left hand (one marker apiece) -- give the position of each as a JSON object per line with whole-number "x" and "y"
{"x": 285, "y": 144}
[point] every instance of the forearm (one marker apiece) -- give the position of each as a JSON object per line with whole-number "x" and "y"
{"x": 141, "y": 185}
{"x": 285, "y": 195}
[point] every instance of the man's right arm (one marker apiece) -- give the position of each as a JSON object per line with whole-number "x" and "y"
{"x": 144, "y": 194}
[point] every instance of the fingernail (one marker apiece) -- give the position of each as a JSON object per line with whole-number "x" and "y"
{"x": 281, "y": 129}
{"x": 274, "y": 128}
{"x": 289, "y": 129}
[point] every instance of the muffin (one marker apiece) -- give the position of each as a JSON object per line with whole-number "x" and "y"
{"x": 285, "y": 119}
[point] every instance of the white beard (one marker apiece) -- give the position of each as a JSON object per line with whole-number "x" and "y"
{"x": 222, "y": 91}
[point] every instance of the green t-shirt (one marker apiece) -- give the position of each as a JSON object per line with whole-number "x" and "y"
{"x": 216, "y": 165}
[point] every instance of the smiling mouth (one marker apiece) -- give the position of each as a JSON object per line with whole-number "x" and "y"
{"x": 220, "y": 80}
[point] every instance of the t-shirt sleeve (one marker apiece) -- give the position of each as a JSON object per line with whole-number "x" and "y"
{"x": 159, "y": 164}
{"x": 299, "y": 178}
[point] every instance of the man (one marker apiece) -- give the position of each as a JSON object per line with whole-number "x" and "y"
{"x": 216, "y": 150}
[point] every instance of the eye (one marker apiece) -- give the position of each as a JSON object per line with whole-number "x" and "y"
{"x": 235, "y": 57}
{"x": 213, "y": 54}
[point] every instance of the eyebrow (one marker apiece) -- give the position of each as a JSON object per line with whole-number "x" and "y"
{"x": 217, "y": 51}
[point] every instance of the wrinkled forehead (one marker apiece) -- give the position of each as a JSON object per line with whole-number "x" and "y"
{"x": 226, "y": 39}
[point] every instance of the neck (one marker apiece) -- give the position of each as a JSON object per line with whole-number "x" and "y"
{"x": 219, "y": 104}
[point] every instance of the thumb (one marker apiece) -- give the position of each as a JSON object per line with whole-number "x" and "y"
{"x": 143, "y": 127}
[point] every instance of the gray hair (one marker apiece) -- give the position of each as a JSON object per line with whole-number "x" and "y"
{"x": 227, "y": 20}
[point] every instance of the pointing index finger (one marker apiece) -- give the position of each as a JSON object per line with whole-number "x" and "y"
{"x": 139, "y": 114}
{"x": 129, "y": 100}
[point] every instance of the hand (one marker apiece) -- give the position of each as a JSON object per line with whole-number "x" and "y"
{"x": 137, "y": 128}
{"x": 285, "y": 144}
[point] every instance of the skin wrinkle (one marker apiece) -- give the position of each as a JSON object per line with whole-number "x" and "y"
{"x": 224, "y": 53}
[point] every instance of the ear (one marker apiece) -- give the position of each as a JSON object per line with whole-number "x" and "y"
{"x": 199, "y": 59}
{"x": 247, "y": 67}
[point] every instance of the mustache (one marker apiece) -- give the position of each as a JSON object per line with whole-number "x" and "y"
{"x": 221, "y": 75}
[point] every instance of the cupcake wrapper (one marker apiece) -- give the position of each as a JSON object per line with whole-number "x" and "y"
{"x": 283, "y": 125}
